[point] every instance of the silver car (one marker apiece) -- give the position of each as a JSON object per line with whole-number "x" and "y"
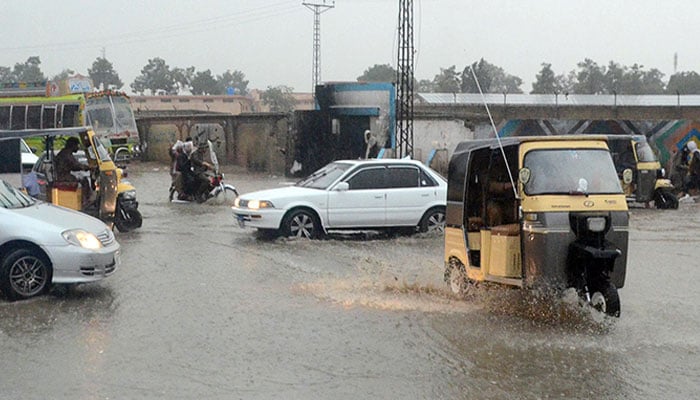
{"x": 41, "y": 244}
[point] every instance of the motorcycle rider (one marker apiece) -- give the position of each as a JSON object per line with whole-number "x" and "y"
{"x": 192, "y": 168}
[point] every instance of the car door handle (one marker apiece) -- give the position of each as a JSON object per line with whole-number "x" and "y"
{"x": 379, "y": 197}
{"x": 425, "y": 195}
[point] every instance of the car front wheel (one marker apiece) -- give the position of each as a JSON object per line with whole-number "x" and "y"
{"x": 24, "y": 274}
{"x": 302, "y": 224}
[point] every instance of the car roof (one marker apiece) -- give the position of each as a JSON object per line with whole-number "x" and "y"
{"x": 382, "y": 161}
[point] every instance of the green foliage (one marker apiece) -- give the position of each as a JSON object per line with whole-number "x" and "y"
{"x": 279, "y": 98}
{"x": 156, "y": 77}
{"x": 447, "y": 81}
{"x": 204, "y": 83}
{"x": 29, "y": 71}
{"x": 492, "y": 79}
{"x": 684, "y": 83}
{"x": 547, "y": 82}
{"x": 378, "y": 73}
{"x": 103, "y": 74}
{"x": 66, "y": 73}
{"x": 235, "y": 79}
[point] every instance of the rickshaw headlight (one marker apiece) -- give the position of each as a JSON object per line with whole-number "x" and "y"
{"x": 129, "y": 195}
{"x": 596, "y": 224}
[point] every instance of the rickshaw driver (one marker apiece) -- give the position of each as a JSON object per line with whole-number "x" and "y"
{"x": 65, "y": 164}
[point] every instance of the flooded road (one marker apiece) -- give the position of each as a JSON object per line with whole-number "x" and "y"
{"x": 202, "y": 309}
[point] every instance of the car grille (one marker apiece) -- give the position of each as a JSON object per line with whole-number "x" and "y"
{"x": 95, "y": 270}
{"x": 106, "y": 237}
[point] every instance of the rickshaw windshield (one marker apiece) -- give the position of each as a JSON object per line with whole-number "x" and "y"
{"x": 644, "y": 152}
{"x": 102, "y": 152}
{"x": 571, "y": 171}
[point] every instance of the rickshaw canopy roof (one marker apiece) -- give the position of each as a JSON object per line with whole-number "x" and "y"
{"x": 28, "y": 133}
{"x": 470, "y": 145}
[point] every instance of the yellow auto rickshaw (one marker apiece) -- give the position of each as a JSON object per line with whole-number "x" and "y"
{"x": 537, "y": 212}
{"x": 114, "y": 198}
{"x": 646, "y": 181}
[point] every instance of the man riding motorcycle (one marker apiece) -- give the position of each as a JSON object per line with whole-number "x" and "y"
{"x": 192, "y": 171}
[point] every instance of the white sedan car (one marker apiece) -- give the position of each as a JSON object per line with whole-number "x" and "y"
{"x": 41, "y": 243}
{"x": 350, "y": 194}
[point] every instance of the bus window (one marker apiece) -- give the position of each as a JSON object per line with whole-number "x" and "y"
{"x": 34, "y": 117}
{"x": 18, "y": 114}
{"x": 5, "y": 117}
{"x": 70, "y": 116}
{"x": 48, "y": 117}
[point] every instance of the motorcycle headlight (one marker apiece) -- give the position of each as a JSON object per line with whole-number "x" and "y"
{"x": 258, "y": 204}
{"x": 81, "y": 238}
{"x": 596, "y": 224}
{"x": 129, "y": 195}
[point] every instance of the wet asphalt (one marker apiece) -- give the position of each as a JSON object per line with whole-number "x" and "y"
{"x": 202, "y": 309}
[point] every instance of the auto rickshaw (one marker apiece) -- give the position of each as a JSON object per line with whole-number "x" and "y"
{"x": 536, "y": 212}
{"x": 115, "y": 199}
{"x": 648, "y": 181}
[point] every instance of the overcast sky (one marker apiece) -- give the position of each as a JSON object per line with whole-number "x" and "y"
{"x": 271, "y": 41}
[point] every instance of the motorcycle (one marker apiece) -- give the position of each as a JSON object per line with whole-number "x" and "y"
{"x": 215, "y": 190}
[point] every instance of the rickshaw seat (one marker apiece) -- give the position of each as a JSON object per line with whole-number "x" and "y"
{"x": 506, "y": 230}
{"x": 474, "y": 224}
{"x": 73, "y": 186}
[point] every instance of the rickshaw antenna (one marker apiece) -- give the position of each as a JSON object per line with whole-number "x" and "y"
{"x": 495, "y": 131}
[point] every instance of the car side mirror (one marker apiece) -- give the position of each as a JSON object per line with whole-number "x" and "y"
{"x": 341, "y": 186}
{"x": 627, "y": 176}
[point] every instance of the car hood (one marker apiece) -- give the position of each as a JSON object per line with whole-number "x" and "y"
{"x": 62, "y": 218}
{"x": 282, "y": 193}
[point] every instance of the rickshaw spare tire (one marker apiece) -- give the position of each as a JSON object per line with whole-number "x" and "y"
{"x": 664, "y": 199}
{"x": 457, "y": 277}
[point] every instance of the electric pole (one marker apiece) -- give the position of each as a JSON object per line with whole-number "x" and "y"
{"x": 318, "y": 9}
{"x": 404, "y": 81}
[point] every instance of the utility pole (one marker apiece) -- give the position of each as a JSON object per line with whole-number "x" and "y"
{"x": 404, "y": 81}
{"x": 318, "y": 9}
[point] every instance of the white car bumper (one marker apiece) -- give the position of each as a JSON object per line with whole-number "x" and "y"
{"x": 72, "y": 264}
{"x": 268, "y": 218}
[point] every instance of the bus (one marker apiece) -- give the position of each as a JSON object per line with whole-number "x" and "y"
{"x": 72, "y": 103}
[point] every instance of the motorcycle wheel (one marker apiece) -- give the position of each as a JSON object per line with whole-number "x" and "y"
{"x": 224, "y": 196}
{"x": 456, "y": 277}
{"x": 126, "y": 221}
{"x": 606, "y": 300}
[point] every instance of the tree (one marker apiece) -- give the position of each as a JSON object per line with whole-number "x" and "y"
{"x": 204, "y": 83}
{"x": 29, "y": 71}
{"x": 590, "y": 78}
{"x": 235, "y": 80}
{"x": 547, "y": 82}
{"x": 155, "y": 76}
{"x": 447, "y": 81}
{"x": 183, "y": 78}
{"x": 6, "y": 75}
{"x": 378, "y": 73}
{"x": 66, "y": 73}
{"x": 492, "y": 79}
{"x": 425, "y": 85}
{"x": 103, "y": 74}
{"x": 279, "y": 98}
{"x": 684, "y": 83}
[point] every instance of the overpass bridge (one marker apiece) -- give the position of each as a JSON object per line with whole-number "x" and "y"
{"x": 668, "y": 121}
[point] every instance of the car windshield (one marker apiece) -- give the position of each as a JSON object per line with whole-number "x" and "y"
{"x": 324, "y": 176}
{"x": 571, "y": 171}
{"x": 13, "y": 198}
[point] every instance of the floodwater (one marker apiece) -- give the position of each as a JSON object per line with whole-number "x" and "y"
{"x": 201, "y": 309}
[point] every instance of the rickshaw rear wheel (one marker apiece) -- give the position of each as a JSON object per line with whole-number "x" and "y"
{"x": 457, "y": 277}
{"x": 606, "y": 300}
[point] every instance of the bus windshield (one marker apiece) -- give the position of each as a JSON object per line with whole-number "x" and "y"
{"x": 571, "y": 171}
{"x": 111, "y": 115}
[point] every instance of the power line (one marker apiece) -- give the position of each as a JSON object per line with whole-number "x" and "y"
{"x": 169, "y": 31}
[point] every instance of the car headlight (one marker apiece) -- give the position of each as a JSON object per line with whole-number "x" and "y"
{"x": 129, "y": 195}
{"x": 596, "y": 224}
{"x": 81, "y": 238}
{"x": 258, "y": 204}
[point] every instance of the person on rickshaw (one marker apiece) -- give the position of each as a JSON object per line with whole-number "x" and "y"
{"x": 65, "y": 163}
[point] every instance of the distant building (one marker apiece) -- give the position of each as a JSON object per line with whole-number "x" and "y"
{"x": 229, "y": 104}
